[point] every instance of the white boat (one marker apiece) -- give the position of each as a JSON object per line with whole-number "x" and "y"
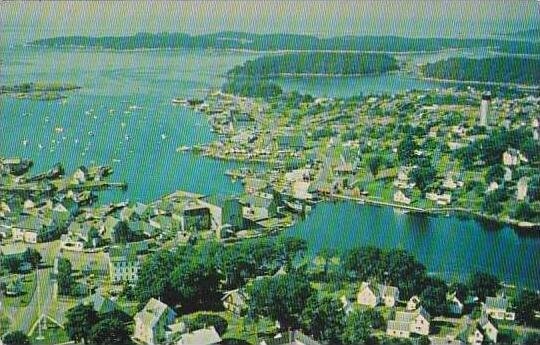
{"x": 59, "y": 129}
{"x": 183, "y": 149}
{"x": 134, "y": 107}
{"x": 25, "y": 142}
{"x": 163, "y": 136}
{"x": 181, "y": 101}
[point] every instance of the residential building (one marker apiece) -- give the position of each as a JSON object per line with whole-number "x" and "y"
{"x": 100, "y": 303}
{"x": 32, "y": 229}
{"x": 481, "y": 330}
{"x": 204, "y": 336}
{"x": 290, "y": 338}
{"x": 235, "y": 301}
{"x": 406, "y": 323}
{"x": 371, "y": 294}
{"x": 400, "y": 197}
{"x": 455, "y": 306}
{"x": 413, "y": 303}
{"x": 497, "y": 308}
{"x": 124, "y": 264}
{"x": 152, "y": 321}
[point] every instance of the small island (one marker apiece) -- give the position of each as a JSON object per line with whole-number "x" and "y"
{"x": 40, "y": 91}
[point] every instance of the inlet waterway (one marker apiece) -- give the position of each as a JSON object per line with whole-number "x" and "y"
{"x": 123, "y": 117}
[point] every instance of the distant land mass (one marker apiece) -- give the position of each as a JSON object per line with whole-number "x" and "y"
{"x": 291, "y": 42}
{"x": 512, "y": 70}
{"x": 316, "y": 63}
{"x": 533, "y": 34}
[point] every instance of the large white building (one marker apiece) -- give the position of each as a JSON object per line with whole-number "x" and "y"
{"x": 124, "y": 264}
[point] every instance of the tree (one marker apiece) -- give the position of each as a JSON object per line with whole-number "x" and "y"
{"x": 495, "y": 173}
{"x": 532, "y": 339}
{"x": 357, "y": 330}
{"x": 324, "y": 318}
{"x": 16, "y": 338}
{"x": 483, "y": 284}
{"x": 327, "y": 254}
{"x": 523, "y": 211}
{"x": 196, "y": 281}
{"x": 281, "y": 298}
{"x": 526, "y": 303}
{"x": 374, "y": 164}
{"x": 534, "y": 188}
{"x": 423, "y": 176}
{"x": 110, "y": 331}
{"x": 406, "y": 149}
{"x": 80, "y": 321}
{"x": 32, "y": 256}
{"x": 492, "y": 201}
{"x": 434, "y": 297}
{"x": 207, "y": 320}
{"x": 64, "y": 278}
{"x": 155, "y": 279}
{"x": 13, "y": 263}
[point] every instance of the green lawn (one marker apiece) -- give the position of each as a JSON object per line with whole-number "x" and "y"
{"x": 52, "y": 335}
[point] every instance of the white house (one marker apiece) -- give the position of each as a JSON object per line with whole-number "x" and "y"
{"x": 204, "y": 336}
{"x": 407, "y": 322}
{"x": 481, "y": 330}
{"x": 375, "y": 294}
{"x": 152, "y": 321}
{"x": 124, "y": 264}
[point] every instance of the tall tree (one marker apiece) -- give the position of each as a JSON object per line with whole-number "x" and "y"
{"x": 357, "y": 330}
{"x": 32, "y": 256}
{"x": 324, "y": 318}
{"x": 483, "y": 284}
{"x": 65, "y": 278}
{"x": 110, "y": 331}
{"x": 80, "y": 320}
{"x": 527, "y": 303}
{"x": 281, "y": 298}
{"x": 16, "y": 338}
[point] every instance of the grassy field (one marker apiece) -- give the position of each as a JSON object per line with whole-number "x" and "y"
{"x": 51, "y": 335}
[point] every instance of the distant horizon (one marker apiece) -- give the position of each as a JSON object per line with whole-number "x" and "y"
{"x": 28, "y": 21}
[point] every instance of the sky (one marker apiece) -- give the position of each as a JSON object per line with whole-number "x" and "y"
{"x": 471, "y": 18}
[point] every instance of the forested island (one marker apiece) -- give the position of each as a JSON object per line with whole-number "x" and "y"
{"x": 293, "y": 42}
{"x": 510, "y": 70}
{"x": 41, "y": 91}
{"x": 316, "y": 63}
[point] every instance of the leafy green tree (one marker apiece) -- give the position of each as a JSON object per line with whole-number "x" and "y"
{"x": 495, "y": 173}
{"x": 492, "y": 201}
{"x": 196, "y": 281}
{"x": 526, "y": 303}
{"x": 434, "y": 297}
{"x": 80, "y": 321}
{"x": 523, "y": 211}
{"x": 323, "y": 318}
{"x": 533, "y": 189}
{"x": 155, "y": 278}
{"x": 406, "y": 149}
{"x": 110, "y": 331}
{"x": 374, "y": 163}
{"x": 327, "y": 254}
{"x": 423, "y": 176}
{"x": 32, "y": 256}
{"x": 289, "y": 249}
{"x": 65, "y": 278}
{"x": 16, "y": 338}
{"x": 13, "y": 263}
{"x": 532, "y": 339}
{"x": 483, "y": 284}
{"x": 207, "y": 320}
{"x": 357, "y": 330}
{"x": 281, "y": 298}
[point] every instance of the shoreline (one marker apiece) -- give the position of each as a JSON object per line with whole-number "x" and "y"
{"x": 476, "y": 82}
{"x": 522, "y": 225}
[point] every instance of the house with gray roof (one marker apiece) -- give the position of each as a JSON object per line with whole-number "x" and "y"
{"x": 406, "y": 323}
{"x": 33, "y": 229}
{"x": 124, "y": 264}
{"x": 497, "y": 308}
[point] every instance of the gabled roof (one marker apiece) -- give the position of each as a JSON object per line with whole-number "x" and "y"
{"x": 101, "y": 304}
{"x": 402, "y": 326}
{"x": 499, "y": 302}
{"x": 380, "y": 290}
{"x": 152, "y": 313}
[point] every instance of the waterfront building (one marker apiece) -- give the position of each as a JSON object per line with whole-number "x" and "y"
{"x": 497, "y": 308}
{"x": 479, "y": 331}
{"x": 152, "y": 321}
